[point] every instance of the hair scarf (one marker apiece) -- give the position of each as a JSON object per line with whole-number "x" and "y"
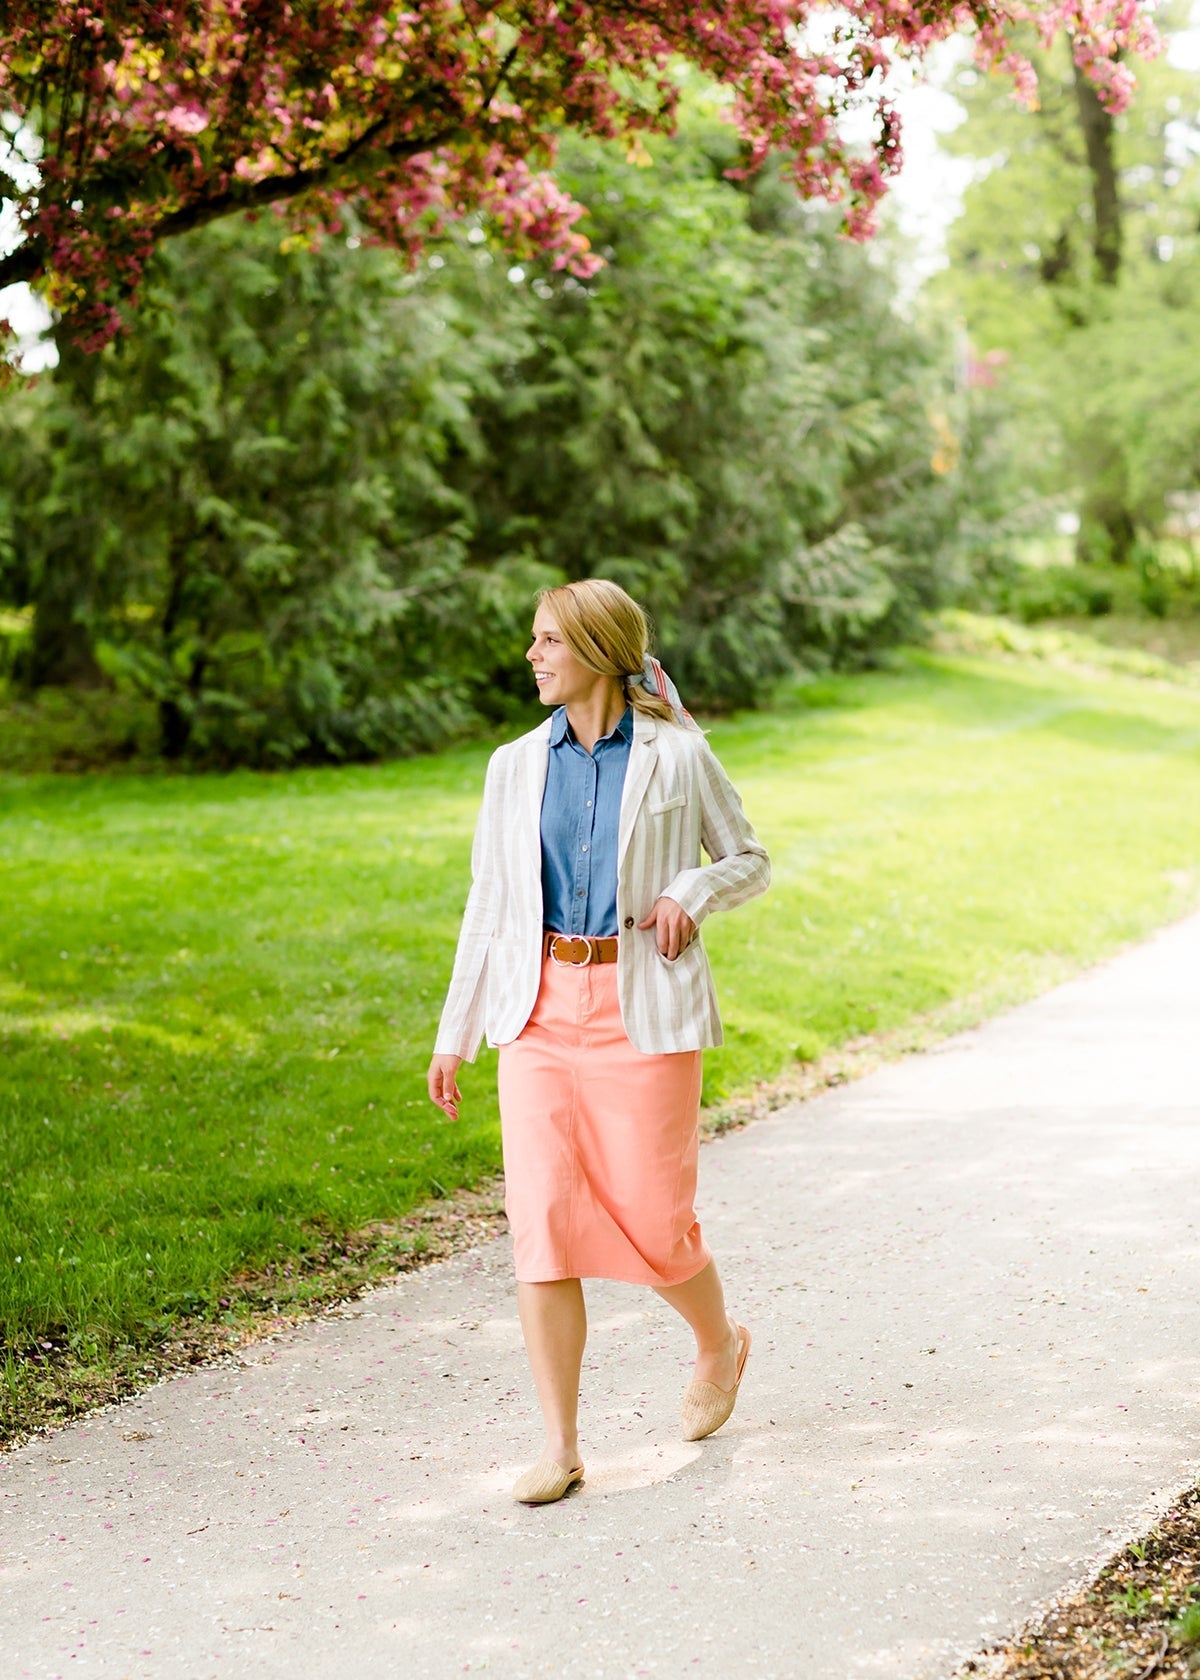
{"x": 653, "y": 677}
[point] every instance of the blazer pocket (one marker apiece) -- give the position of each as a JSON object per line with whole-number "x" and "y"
{"x": 668, "y": 805}
{"x": 678, "y": 962}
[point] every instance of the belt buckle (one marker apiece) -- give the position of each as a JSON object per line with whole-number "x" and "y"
{"x": 572, "y": 939}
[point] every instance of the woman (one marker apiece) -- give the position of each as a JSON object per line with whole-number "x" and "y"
{"x": 580, "y": 956}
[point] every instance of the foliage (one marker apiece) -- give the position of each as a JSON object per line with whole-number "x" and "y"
{"x": 1100, "y": 359}
{"x": 1156, "y": 586}
{"x": 1039, "y": 592}
{"x": 308, "y": 499}
{"x": 260, "y": 501}
{"x": 734, "y": 422}
{"x": 988, "y": 633}
{"x": 127, "y": 124}
{"x": 76, "y": 729}
{"x": 218, "y": 994}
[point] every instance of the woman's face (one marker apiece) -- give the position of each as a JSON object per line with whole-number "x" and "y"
{"x": 561, "y": 679}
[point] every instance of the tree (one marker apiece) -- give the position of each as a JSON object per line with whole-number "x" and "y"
{"x": 132, "y": 121}
{"x": 1077, "y": 256}
{"x": 732, "y": 420}
{"x": 251, "y": 487}
{"x": 316, "y": 491}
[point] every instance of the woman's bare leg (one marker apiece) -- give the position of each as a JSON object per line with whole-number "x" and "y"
{"x": 701, "y": 1301}
{"x": 554, "y": 1322}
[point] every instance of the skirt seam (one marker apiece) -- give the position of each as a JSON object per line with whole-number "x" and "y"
{"x": 684, "y": 1143}
{"x": 571, "y": 1161}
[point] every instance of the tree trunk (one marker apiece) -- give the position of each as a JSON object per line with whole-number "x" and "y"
{"x": 1107, "y": 533}
{"x": 1107, "y": 529}
{"x": 1099, "y": 140}
{"x": 175, "y": 728}
{"x": 174, "y": 718}
{"x": 61, "y": 652}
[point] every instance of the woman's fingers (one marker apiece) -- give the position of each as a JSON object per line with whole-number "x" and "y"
{"x": 674, "y": 928}
{"x": 684, "y": 929}
{"x": 443, "y": 1084}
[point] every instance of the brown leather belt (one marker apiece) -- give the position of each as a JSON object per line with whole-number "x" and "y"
{"x": 570, "y": 950}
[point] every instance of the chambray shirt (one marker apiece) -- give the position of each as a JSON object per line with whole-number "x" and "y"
{"x": 581, "y": 811}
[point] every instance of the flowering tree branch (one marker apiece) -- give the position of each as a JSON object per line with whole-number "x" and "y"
{"x": 129, "y": 121}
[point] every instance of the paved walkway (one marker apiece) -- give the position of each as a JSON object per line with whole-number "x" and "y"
{"x": 974, "y": 1280}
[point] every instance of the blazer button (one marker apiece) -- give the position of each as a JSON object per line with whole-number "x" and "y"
{"x": 629, "y": 921}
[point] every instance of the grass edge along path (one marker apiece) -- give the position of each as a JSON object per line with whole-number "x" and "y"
{"x": 923, "y": 884}
{"x": 1137, "y": 1618}
{"x": 348, "y": 1265}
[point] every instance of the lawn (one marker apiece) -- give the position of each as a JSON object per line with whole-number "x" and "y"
{"x": 218, "y": 994}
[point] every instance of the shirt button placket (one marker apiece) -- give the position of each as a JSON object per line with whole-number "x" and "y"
{"x": 584, "y": 861}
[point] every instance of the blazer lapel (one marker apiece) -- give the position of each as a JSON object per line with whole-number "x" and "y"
{"x": 536, "y": 763}
{"x": 643, "y": 756}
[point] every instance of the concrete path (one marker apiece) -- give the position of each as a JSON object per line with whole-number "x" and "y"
{"x": 974, "y": 1282}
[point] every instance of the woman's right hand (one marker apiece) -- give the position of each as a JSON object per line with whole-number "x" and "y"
{"x": 443, "y": 1084}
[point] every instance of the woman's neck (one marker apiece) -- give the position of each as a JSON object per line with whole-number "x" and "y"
{"x": 597, "y": 714}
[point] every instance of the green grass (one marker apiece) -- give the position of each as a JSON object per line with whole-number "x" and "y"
{"x": 217, "y": 994}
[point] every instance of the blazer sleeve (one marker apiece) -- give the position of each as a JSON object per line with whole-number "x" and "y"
{"x": 740, "y": 868}
{"x": 461, "y": 1028}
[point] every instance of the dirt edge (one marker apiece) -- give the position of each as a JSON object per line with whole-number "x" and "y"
{"x": 1137, "y": 1617}
{"x": 346, "y": 1266}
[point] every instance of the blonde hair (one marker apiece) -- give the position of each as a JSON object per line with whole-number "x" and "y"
{"x": 608, "y": 632}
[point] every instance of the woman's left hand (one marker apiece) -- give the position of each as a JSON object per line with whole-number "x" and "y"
{"x": 674, "y": 928}
{"x": 443, "y": 1084}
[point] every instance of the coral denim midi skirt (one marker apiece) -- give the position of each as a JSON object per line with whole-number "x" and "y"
{"x": 600, "y": 1141}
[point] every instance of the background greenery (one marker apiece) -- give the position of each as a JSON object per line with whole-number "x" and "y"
{"x": 298, "y": 513}
{"x": 217, "y": 995}
{"x": 295, "y": 521}
{"x": 303, "y": 507}
{"x": 1075, "y": 269}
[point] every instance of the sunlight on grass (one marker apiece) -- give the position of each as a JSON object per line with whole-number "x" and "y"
{"x": 218, "y": 994}
{"x": 20, "y": 1015}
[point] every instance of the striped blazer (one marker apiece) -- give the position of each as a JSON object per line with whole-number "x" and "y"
{"x": 676, "y": 798}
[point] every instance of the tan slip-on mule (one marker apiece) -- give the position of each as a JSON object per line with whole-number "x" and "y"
{"x": 545, "y": 1482}
{"x": 705, "y": 1406}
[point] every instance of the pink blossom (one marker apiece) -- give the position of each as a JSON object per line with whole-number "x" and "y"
{"x": 184, "y": 119}
{"x": 423, "y": 115}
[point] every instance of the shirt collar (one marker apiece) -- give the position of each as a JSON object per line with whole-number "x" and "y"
{"x": 625, "y": 725}
{"x": 559, "y": 726}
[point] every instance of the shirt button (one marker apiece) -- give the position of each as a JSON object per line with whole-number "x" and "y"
{"x": 581, "y": 893}
{"x": 583, "y": 848}
{"x": 629, "y": 921}
{"x": 589, "y": 804}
